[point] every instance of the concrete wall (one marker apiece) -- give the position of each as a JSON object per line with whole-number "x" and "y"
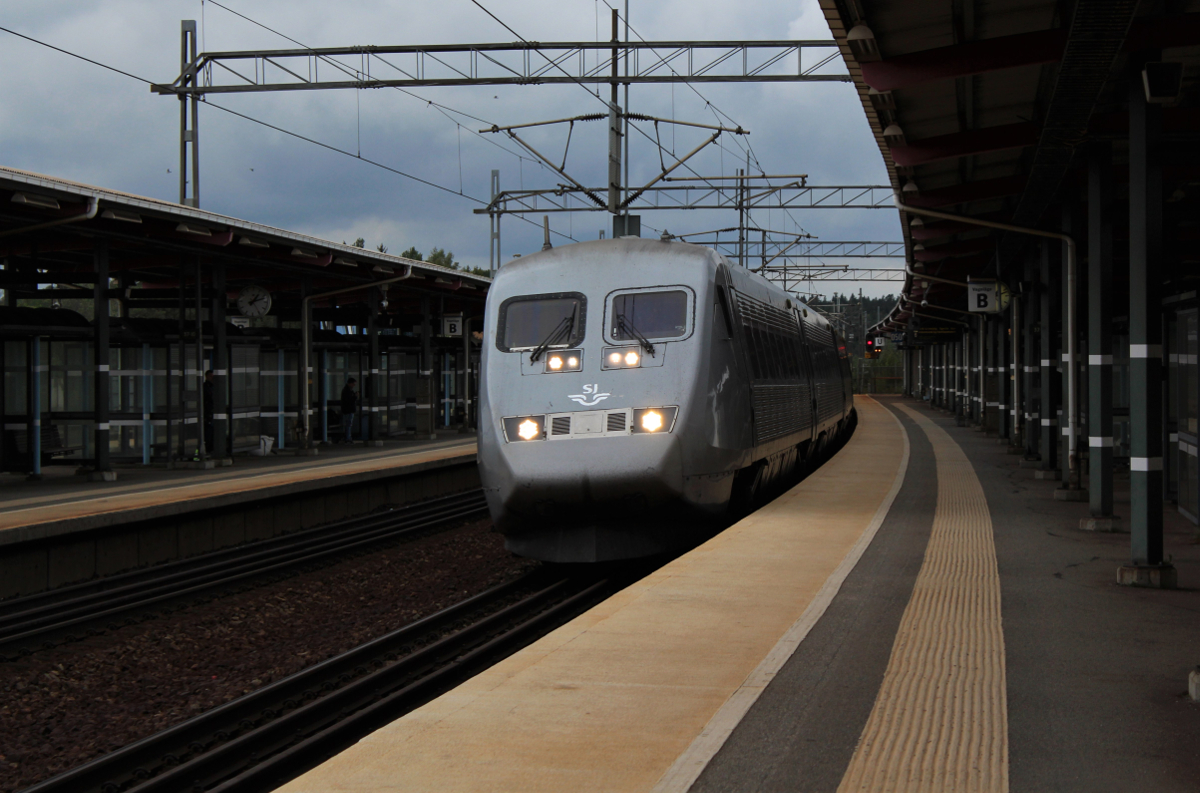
{"x": 38, "y": 564}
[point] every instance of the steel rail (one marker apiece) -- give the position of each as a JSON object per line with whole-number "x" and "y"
{"x": 38, "y": 621}
{"x": 255, "y": 742}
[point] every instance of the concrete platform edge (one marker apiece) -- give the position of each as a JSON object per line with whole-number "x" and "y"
{"x": 32, "y": 532}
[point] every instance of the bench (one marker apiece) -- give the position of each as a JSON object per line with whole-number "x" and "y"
{"x": 16, "y": 448}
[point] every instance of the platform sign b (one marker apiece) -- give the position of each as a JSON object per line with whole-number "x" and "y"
{"x": 983, "y": 297}
{"x": 452, "y": 325}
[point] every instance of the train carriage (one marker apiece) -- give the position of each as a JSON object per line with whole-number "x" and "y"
{"x": 635, "y": 393}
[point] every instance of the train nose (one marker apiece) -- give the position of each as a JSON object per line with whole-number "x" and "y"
{"x": 573, "y": 478}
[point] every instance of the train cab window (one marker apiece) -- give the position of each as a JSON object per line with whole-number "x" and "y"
{"x": 655, "y": 315}
{"x": 529, "y": 321}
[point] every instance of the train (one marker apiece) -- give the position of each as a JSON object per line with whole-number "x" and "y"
{"x": 636, "y": 394}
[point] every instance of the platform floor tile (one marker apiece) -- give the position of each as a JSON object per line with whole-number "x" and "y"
{"x": 614, "y": 698}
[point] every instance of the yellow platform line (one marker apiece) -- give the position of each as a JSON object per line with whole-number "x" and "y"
{"x": 940, "y": 720}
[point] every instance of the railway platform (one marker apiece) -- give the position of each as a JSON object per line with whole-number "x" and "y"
{"x": 919, "y": 613}
{"x": 63, "y": 528}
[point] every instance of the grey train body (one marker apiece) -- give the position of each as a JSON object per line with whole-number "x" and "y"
{"x": 747, "y": 384}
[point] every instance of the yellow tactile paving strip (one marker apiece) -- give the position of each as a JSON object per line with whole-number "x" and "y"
{"x": 610, "y": 700}
{"x": 119, "y": 498}
{"x": 940, "y": 720}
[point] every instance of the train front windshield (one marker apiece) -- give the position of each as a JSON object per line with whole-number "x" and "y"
{"x": 528, "y": 322}
{"x": 655, "y": 315}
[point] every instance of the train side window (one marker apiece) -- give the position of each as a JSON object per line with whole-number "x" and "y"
{"x": 752, "y": 351}
{"x": 530, "y": 320}
{"x": 773, "y": 347}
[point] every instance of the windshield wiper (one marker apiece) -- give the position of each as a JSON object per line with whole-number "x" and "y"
{"x": 626, "y": 328}
{"x": 563, "y": 328}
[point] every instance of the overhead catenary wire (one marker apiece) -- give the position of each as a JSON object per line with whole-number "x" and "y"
{"x": 350, "y": 71}
{"x": 552, "y": 62}
{"x": 277, "y": 128}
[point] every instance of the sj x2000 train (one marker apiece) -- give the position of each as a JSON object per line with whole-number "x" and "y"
{"x": 634, "y": 392}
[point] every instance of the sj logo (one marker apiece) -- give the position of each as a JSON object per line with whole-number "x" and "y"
{"x": 591, "y": 395}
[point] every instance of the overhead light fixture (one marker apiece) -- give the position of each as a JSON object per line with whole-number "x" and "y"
{"x": 191, "y": 228}
{"x": 1162, "y": 81}
{"x": 862, "y": 40}
{"x": 122, "y": 215}
{"x": 303, "y": 254}
{"x": 253, "y": 242}
{"x": 893, "y": 134}
{"x": 385, "y": 270}
{"x": 916, "y": 221}
{"x": 884, "y": 100}
{"x": 34, "y": 200}
{"x": 910, "y": 187}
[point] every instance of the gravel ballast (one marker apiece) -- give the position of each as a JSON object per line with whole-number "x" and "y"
{"x": 62, "y": 707}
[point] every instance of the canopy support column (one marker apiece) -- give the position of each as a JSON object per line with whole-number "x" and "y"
{"x": 1145, "y": 346}
{"x": 1100, "y": 345}
{"x": 103, "y": 469}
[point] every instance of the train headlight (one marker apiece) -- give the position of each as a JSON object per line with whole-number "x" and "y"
{"x": 518, "y": 429}
{"x": 564, "y": 361}
{"x": 528, "y": 429}
{"x": 658, "y": 420}
{"x": 652, "y": 421}
{"x": 622, "y": 358}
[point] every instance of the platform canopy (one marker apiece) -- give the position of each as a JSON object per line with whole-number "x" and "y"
{"x": 986, "y": 110}
{"x": 50, "y": 229}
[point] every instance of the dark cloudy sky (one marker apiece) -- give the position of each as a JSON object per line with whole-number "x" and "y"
{"x": 66, "y": 118}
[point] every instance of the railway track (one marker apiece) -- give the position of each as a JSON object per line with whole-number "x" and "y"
{"x": 67, "y": 614}
{"x": 256, "y": 742}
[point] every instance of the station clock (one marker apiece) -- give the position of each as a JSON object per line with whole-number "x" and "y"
{"x": 254, "y": 301}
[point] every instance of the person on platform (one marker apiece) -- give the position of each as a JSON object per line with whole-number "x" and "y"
{"x": 349, "y": 408}
{"x": 209, "y": 396}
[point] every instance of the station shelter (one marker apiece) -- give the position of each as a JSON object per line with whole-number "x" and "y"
{"x": 1045, "y": 165}
{"x": 115, "y": 306}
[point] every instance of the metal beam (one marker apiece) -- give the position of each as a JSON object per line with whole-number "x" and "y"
{"x": 795, "y": 275}
{"x": 825, "y": 249}
{"x": 1097, "y": 35}
{"x": 962, "y": 193}
{"x": 704, "y": 196}
{"x": 413, "y": 66}
{"x": 1022, "y": 49}
{"x": 965, "y": 144}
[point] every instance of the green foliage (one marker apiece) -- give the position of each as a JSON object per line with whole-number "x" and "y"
{"x": 381, "y": 248}
{"x": 442, "y": 258}
{"x": 359, "y": 243}
{"x": 438, "y": 256}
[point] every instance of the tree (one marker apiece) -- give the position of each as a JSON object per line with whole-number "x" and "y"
{"x": 360, "y": 243}
{"x": 381, "y": 248}
{"x": 443, "y": 258}
{"x": 414, "y": 254}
